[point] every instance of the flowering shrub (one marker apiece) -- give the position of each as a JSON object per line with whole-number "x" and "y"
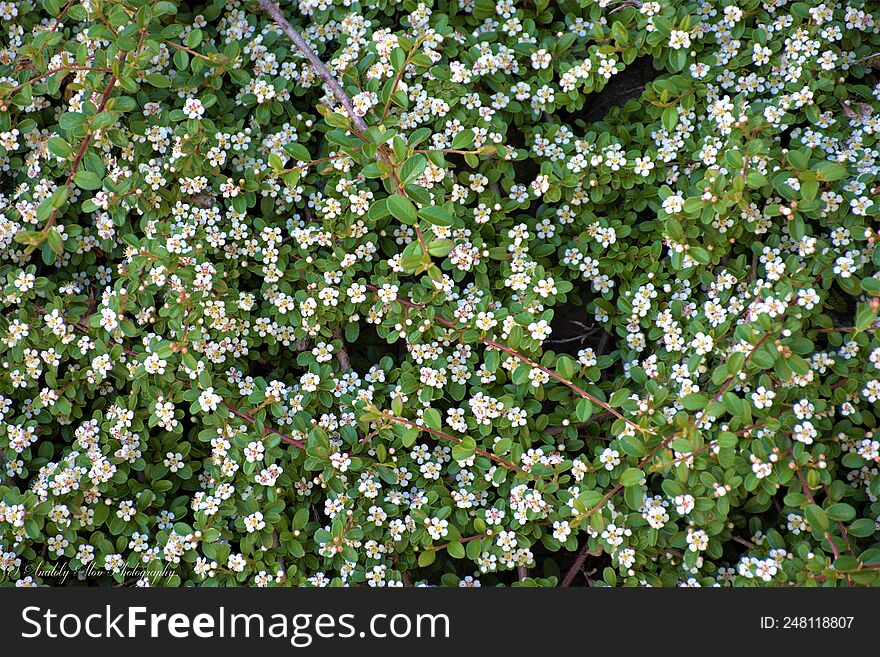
{"x": 347, "y": 293}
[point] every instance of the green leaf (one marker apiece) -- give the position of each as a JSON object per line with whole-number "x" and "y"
{"x": 87, "y": 180}
{"x": 301, "y": 518}
{"x": 463, "y": 139}
{"x": 413, "y": 262}
{"x": 164, "y": 7}
{"x": 502, "y": 446}
{"x": 297, "y": 151}
{"x": 864, "y": 317}
{"x": 431, "y": 418}
{"x": 583, "y": 410}
{"x": 455, "y": 550}
{"x": 632, "y": 446}
{"x": 465, "y": 449}
{"x": 846, "y": 564}
{"x": 799, "y": 159}
{"x": 413, "y": 168}
{"x": 695, "y": 401}
{"x": 59, "y": 196}
{"x": 402, "y": 209}
{"x": 473, "y": 550}
{"x": 426, "y": 558}
{"x": 410, "y": 435}
{"x": 631, "y": 477}
{"x": 59, "y": 147}
{"x": 102, "y": 121}
{"x": 830, "y": 171}
{"x": 590, "y": 498}
{"x": 620, "y": 33}
{"x": 634, "y": 497}
{"x": 862, "y": 528}
{"x": 435, "y": 216}
{"x": 30, "y": 237}
{"x": 194, "y": 38}
{"x": 275, "y": 161}
{"x": 398, "y": 58}
{"x": 70, "y": 121}
{"x": 158, "y": 80}
{"x": 55, "y": 242}
{"x": 669, "y": 118}
{"x": 122, "y": 104}
{"x": 440, "y": 248}
{"x": 841, "y": 511}
{"x": 817, "y": 518}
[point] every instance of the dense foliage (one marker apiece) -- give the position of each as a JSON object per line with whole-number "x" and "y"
{"x": 472, "y": 334}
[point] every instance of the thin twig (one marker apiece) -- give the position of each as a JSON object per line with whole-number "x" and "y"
{"x": 342, "y": 354}
{"x": 53, "y": 71}
{"x": 578, "y": 564}
{"x": 528, "y": 361}
{"x": 742, "y": 541}
{"x": 809, "y": 495}
{"x": 85, "y": 143}
{"x": 445, "y": 436}
{"x": 274, "y": 11}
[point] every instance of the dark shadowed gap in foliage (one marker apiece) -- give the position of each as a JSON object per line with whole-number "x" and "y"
{"x": 573, "y": 329}
{"x": 587, "y": 574}
{"x": 620, "y": 88}
{"x": 546, "y": 564}
{"x": 785, "y": 134}
{"x": 740, "y": 545}
{"x": 840, "y": 306}
{"x": 370, "y": 348}
{"x": 263, "y": 367}
{"x": 525, "y": 170}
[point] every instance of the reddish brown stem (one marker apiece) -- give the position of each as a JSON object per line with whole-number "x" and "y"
{"x": 577, "y": 565}
{"x": 809, "y": 495}
{"x": 466, "y": 539}
{"x": 266, "y": 428}
{"x": 53, "y": 71}
{"x": 446, "y": 436}
{"x": 85, "y": 143}
{"x": 528, "y": 361}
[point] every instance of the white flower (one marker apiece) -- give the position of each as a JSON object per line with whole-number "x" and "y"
{"x": 208, "y": 400}
{"x": 684, "y": 504}
{"x": 697, "y": 540}
{"x": 763, "y": 398}
{"x": 340, "y": 461}
{"x": 610, "y": 458}
{"x": 561, "y": 530}
{"x": 155, "y": 365}
{"x": 541, "y": 59}
{"x": 24, "y": 281}
{"x": 193, "y": 108}
{"x": 539, "y": 330}
{"x": 309, "y": 381}
{"x": 673, "y": 204}
{"x": 805, "y": 432}
{"x": 643, "y": 166}
{"x": 254, "y": 522}
{"x": 702, "y": 343}
{"x": 437, "y": 527}
{"x": 679, "y": 39}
